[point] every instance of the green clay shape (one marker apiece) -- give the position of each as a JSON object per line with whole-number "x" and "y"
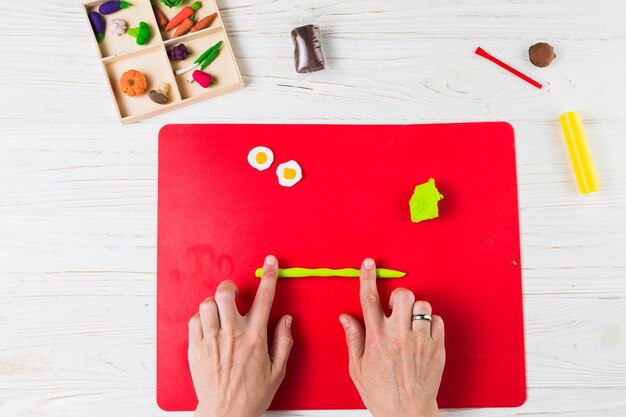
{"x": 141, "y": 33}
{"x": 424, "y": 202}
{"x": 206, "y": 53}
{"x": 209, "y": 59}
{"x": 327, "y": 272}
{"x": 172, "y": 3}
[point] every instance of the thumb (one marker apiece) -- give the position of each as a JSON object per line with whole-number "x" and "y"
{"x": 354, "y": 336}
{"x": 281, "y": 347}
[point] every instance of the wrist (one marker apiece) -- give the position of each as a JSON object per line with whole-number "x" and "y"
{"x": 202, "y": 411}
{"x": 431, "y": 410}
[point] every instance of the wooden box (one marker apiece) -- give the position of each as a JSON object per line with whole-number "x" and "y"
{"x": 119, "y": 54}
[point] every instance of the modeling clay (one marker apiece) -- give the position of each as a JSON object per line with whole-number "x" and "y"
{"x": 133, "y": 83}
{"x": 261, "y": 158}
{"x": 187, "y": 68}
{"x": 178, "y": 53}
{"x": 141, "y": 33}
{"x": 308, "y": 55}
{"x": 203, "y": 58}
{"x": 206, "y": 53}
{"x": 202, "y": 78}
{"x": 541, "y": 54}
{"x": 118, "y": 27}
{"x": 424, "y": 202}
{"x": 172, "y": 3}
{"x": 327, "y": 272}
{"x": 204, "y": 23}
{"x": 210, "y": 58}
{"x": 159, "y": 96}
{"x": 98, "y": 24}
{"x": 289, "y": 173}
{"x": 113, "y": 6}
{"x": 184, "y": 27}
{"x": 185, "y": 13}
{"x": 481, "y": 52}
{"x": 579, "y": 152}
{"x": 162, "y": 20}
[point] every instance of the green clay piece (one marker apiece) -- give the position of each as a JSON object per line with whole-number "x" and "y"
{"x": 327, "y": 272}
{"x": 209, "y": 59}
{"x": 172, "y": 3}
{"x": 206, "y": 53}
{"x": 424, "y": 202}
{"x": 141, "y": 33}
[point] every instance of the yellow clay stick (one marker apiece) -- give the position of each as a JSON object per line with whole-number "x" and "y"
{"x": 327, "y": 272}
{"x": 579, "y": 152}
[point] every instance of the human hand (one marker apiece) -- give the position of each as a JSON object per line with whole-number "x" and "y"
{"x": 397, "y": 363}
{"x": 233, "y": 372}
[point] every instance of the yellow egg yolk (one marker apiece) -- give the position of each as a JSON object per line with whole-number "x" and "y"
{"x": 289, "y": 173}
{"x": 261, "y": 158}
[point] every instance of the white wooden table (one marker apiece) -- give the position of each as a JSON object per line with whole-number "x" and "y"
{"x": 78, "y": 190}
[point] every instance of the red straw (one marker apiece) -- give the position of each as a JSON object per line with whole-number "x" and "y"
{"x": 480, "y": 51}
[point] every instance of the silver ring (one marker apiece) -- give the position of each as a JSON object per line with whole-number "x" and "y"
{"x": 421, "y": 317}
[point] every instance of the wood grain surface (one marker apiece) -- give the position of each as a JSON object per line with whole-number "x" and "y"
{"x": 78, "y": 190}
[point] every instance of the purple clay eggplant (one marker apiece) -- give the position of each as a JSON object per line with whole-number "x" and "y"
{"x": 113, "y": 6}
{"x": 98, "y": 24}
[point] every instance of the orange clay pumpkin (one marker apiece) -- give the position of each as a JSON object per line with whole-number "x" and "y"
{"x": 133, "y": 83}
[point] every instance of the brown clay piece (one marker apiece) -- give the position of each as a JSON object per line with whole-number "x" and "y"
{"x": 541, "y": 54}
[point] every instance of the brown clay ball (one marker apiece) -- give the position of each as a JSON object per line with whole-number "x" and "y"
{"x": 541, "y": 54}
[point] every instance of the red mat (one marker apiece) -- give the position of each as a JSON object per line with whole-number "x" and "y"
{"x": 219, "y": 217}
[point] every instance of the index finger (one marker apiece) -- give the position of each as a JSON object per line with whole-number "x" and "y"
{"x": 260, "y": 310}
{"x": 373, "y": 314}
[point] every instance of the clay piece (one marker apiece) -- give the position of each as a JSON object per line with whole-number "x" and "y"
{"x": 211, "y": 56}
{"x": 159, "y": 96}
{"x": 205, "y": 59}
{"x": 308, "y": 54}
{"x": 141, "y": 33}
{"x": 424, "y": 202}
{"x": 178, "y": 53}
{"x": 260, "y": 158}
{"x": 133, "y": 83}
{"x": 184, "y": 27}
{"x": 289, "y": 173}
{"x": 118, "y": 27}
{"x": 204, "y": 23}
{"x": 202, "y": 78}
{"x": 98, "y": 24}
{"x": 113, "y": 6}
{"x": 541, "y": 54}
{"x": 481, "y": 52}
{"x": 184, "y": 14}
{"x": 327, "y": 272}
{"x": 172, "y": 3}
{"x": 162, "y": 20}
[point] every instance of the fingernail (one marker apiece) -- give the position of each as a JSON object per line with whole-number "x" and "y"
{"x": 369, "y": 263}
{"x": 288, "y": 322}
{"x": 270, "y": 260}
{"x": 344, "y": 322}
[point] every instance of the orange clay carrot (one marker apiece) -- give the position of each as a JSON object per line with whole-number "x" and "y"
{"x": 204, "y": 23}
{"x": 185, "y": 13}
{"x": 184, "y": 27}
{"x": 161, "y": 18}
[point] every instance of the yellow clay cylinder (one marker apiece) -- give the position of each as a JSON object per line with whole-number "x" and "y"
{"x": 579, "y": 152}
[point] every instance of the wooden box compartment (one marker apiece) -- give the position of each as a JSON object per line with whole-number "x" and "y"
{"x": 223, "y": 68}
{"x": 119, "y": 54}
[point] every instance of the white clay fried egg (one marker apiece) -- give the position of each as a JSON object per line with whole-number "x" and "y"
{"x": 260, "y": 158}
{"x": 289, "y": 173}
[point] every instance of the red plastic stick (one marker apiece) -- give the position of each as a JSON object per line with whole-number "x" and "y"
{"x": 480, "y": 51}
